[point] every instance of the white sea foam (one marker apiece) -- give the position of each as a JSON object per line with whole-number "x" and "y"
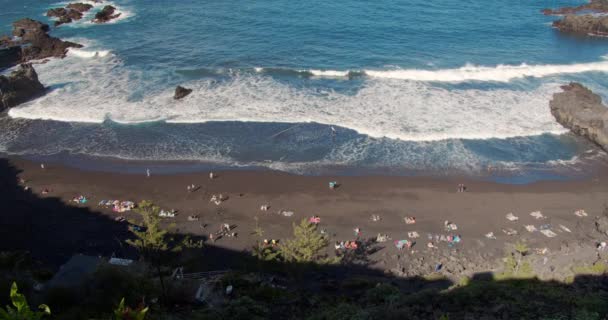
{"x": 469, "y": 72}
{"x": 88, "y": 53}
{"x": 328, "y": 73}
{"x": 500, "y": 73}
{"x": 92, "y": 90}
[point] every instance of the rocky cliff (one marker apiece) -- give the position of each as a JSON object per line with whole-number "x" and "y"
{"x": 21, "y": 86}
{"x": 582, "y": 111}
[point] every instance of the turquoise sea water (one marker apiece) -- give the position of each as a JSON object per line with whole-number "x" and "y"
{"x": 313, "y": 87}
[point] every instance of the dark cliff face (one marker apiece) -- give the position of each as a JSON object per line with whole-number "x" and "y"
{"x": 22, "y": 85}
{"x": 582, "y": 111}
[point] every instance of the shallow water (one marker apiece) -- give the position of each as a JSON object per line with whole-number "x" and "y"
{"x": 395, "y": 87}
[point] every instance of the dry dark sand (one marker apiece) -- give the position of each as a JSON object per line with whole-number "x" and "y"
{"x": 480, "y": 210}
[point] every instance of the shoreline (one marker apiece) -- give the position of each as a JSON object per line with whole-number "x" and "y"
{"x": 432, "y": 201}
{"x": 578, "y": 170}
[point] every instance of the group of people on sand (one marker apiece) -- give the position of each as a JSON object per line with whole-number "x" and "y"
{"x": 462, "y": 187}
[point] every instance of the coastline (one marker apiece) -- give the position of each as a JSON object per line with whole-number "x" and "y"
{"x": 431, "y": 200}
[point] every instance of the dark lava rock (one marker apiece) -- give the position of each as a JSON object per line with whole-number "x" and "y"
{"x": 21, "y": 86}
{"x": 28, "y": 29}
{"x": 64, "y": 15}
{"x": 9, "y": 56}
{"x": 57, "y": 12}
{"x": 106, "y": 14}
{"x": 582, "y": 111}
{"x": 36, "y": 43}
{"x": 80, "y": 7}
{"x": 593, "y": 5}
{"x": 584, "y": 25}
{"x": 181, "y": 92}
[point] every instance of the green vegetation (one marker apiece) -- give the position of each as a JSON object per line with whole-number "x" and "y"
{"x": 597, "y": 268}
{"x": 126, "y": 313}
{"x": 516, "y": 264}
{"x": 307, "y": 246}
{"x": 21, "y": 309}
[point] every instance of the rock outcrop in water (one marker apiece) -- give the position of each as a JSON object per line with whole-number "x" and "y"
{"x": 593, "y": 5}
{"x": 64, "y": 15}
{"x": 181, "y": 92}
{"x": 21, "y": 86}
{"x": 71, "y": 12}
{"x": 34, "y": 43}
{"x": 106, "y": 14}
{"x": 582, "y": 111}
{"x": 80, "y": 7}
{"x": 585, "y": 25}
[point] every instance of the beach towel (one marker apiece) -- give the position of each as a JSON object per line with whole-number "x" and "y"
{"x": 531, "y": 228}
{"x": 490, "y": 235}
{"x": 286, "y": 213}
{"x": 580, "y": 213}
{"x": 537, "y": 215}
{"x": 413, "y": 234}
{"x": 565, "y": 228}
{"x": 511, "y": 217}
{"x": 548, "y": 233}
{"x": 509, "y": 231}
{"x": 400, "y": 244}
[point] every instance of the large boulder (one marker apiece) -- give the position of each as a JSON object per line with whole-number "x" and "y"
{"x": 181, "y": 92}
{"x": 21, "y": 86}
{"x": 583, "y": 24}
{"x": 36, "y": 43}
{"x": 582, "y": 111}
{"x": 601, "y": 223}
{"x": 106, "y": 14}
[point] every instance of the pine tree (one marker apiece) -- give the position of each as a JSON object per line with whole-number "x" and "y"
{"x": 151, "y": 240}
{"x": 307, "y": 245}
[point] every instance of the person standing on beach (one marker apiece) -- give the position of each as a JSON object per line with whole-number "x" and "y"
{"x": 42, "y": 166}
{"x": 148, "y": 173}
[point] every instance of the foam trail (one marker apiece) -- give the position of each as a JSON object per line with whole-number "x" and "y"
{"x": 500, "y": 73}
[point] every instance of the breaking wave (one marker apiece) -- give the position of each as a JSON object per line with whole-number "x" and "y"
{"x": 95, "y": 90}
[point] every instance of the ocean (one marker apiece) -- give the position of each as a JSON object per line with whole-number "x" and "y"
{"x": 319, "y": 87}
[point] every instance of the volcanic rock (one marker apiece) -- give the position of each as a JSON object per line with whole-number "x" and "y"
{"x": 36, "y": 43}
{"x": 79, "y": 6}
{"x": 181, "y": 92}
{"x": 106, "y": 14}
{"x": 64, "y": 15}
{"x": 9, "y": 56}
{"x": 582, "y": 111}
{"x": 593, "y": 5}
{"x": 585, "y": 24}
{"x": 21, "y": 86}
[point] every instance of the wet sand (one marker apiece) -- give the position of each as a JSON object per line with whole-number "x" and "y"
{"x": 479, "y": 210}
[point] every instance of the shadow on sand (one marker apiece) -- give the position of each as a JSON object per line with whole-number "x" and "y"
{"x": 52, "y": 232}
